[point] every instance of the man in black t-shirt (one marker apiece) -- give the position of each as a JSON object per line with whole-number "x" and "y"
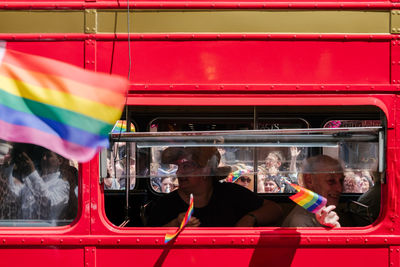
{"x": 215, "y": 203}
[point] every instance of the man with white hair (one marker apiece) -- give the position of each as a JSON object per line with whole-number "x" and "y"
{"x": 324, "y": 176}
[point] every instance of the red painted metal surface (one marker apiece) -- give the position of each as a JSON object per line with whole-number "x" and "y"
{"x": 250, "y": 62}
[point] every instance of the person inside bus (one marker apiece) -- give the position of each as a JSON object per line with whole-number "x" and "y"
{"x": 215, "y": 203}
{"x": 41, "y": 196}
{"x": 324, "y": 176}
{"x": 272, "y": 166}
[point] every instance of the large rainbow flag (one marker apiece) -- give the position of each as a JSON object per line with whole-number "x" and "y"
{"x": 56, "y": 105}
{"x": 188, "y": 215}
{"x": 307, "y": 199}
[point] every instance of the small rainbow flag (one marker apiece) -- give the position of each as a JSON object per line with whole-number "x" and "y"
{"x": 188, "y": 215}
{"x": 233, "y": 176}
{"x": 307, "y": 199}
{"x": 56, "y": 105}
{"x": 120, "y": 127}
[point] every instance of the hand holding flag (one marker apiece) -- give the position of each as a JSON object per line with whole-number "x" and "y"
{"x": 188, "y": 215}
{"x": 316, "y": 204}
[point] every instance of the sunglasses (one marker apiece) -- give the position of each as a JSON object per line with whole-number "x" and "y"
{"x": 245, "y": 179}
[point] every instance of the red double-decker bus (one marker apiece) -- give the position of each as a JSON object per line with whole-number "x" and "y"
{"x": 250, "y": 79}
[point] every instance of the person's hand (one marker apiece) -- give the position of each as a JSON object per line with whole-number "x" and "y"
{"x": 193, "y": 221}
{"x": 326, "y": 216}
{"x": 294, "y": 152}
{"x": 24, "y": 164}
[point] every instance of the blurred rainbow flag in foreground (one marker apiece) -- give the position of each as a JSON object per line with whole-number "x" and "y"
{"x": 188, "y": 215}
{"x": 62, "y": 107}
{"x": 307, "y": 199}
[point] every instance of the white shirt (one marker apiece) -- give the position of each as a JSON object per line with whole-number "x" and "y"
{"x": 41, "y": 197}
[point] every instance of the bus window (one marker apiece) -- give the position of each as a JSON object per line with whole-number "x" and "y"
{"x": 39, "y": 188}
{"x": 243, "y": 164}
{"x": 120, "y": 161}
{"x": 264, "y": 153}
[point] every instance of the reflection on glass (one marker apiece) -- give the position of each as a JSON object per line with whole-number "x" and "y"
{"x": 117, "y": 167}
{"x": 38, "y": 187}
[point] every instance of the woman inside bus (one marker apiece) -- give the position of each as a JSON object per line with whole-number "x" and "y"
{"x": 215, "y": 203}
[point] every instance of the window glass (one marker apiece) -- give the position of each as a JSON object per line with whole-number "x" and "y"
{"x": 269, "y": 162}
{"x": 242, "y": 159}
{"x": 120, "y": 160}
{"x": 37, "y": 186}
{"x": 360, "y": 159}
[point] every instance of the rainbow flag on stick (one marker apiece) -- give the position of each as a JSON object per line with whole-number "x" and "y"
{"x": 307, "y": 199}
{"x": 188, "y": 215}
{"x": 56, "y": 105}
